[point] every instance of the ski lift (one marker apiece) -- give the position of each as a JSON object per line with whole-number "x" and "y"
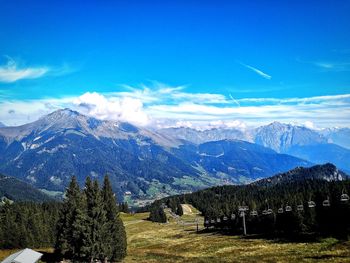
{"x": 344, "y": 198}
{"x": 300, "y": 208}
{"x": 326, "y": 203}
{"x": 207, "y": 222}
{"x": 280, "y": 210}
{"x": 311, "y": 204}
{"x": 218, "y": 220}
{"x": 267, "y": 212}
{"x": 254, "y": 213}
{"x": 212, "y": 221}
{"x": 225, "y": 218}
{"x": 233, "y": 217}
{"x": 288, "y": 208}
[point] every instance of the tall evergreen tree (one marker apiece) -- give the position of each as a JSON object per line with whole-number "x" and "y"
{"x": 71, "y": 226}
{"x": 96, "y": 218}
{"x": 179, "y": 209}
{"x": 115, "y": 245}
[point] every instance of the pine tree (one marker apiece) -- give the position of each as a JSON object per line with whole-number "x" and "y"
{"x": 71, "y": 226}
{"x": 179, "y": 210}
{"x": 115, "y": 245}
{"x": 96, "y": 218}
{"x": 157, "y": 214}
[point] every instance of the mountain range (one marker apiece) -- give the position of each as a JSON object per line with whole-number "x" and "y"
{"x": 145, "y": 163}
{"x": 315, "y": 146}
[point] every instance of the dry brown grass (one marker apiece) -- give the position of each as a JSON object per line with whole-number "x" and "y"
{"x": 152, "y": 242}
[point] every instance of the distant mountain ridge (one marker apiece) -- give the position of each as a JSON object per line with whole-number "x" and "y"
{"x": 327, "y": 172}
{"x": 315, "y": 146}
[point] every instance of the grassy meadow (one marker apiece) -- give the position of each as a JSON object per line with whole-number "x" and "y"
{"x": 178, "y": 241}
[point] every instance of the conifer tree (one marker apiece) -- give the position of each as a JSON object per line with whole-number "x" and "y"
{"x": 71, "y": 224}
{"x": 179, "y": 210}
{"x": 115, "y": 245}
{"x": 96, "y": 221}
{"x": 157, "y": 214}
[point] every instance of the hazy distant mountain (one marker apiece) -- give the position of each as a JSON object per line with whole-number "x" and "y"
{"x": 239, "y": 161}
{"x": 49, "y": 151}
{"x": 303, "y": 143}
{"x": 16, "y": 190}
{"x": 198, "y": 137}
{"x": 2, "y": 125}
{"x": 281, "y": 137}
{"x": 323, "y": 153}
{"x": 340, "y": 136}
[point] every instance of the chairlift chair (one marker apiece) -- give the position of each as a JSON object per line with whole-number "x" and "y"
{"x": 224, "y": 218}
{"x": 212, "y": 221}
{"x": 326, "y": 203}
{"x": 344, "y": 198}
{"x": 300, "y": 208}
{"x": 280, "y": 210}
{"x": 311, "y": 204}
{"x": 254, "y": 213}
{"x": 288, "y": 208}
{"x": 218, "y": 220}
{"x": 269, "y": 211}
{"x": 233, "y": 217}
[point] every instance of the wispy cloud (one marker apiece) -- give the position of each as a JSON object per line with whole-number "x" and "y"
{"x": 257, "y": 71}
{"x": 333, "y": 66}
{"x": 325, "y": 65}
{"x": 165, "y": 106}
{"x": 10, "y": 72}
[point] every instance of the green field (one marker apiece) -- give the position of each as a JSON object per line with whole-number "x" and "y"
{"x": 177, "y": 242}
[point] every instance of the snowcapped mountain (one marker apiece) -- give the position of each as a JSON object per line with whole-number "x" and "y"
{"x": 47, "y": 152}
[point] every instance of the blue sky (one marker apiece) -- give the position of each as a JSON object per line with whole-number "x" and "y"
{"x": 194, "y": 61}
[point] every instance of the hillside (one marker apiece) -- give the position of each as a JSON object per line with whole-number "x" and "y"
{"x": 237, "y": 161}
{"x": 302, "y": 202}
{"x": 17, "y": 190}
{"x": 327, "y": 172}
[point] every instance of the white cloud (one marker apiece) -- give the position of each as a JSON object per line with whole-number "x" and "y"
{"x": 113, "y": 108}
{"x": 11, "y": 72}
{"x": 310, "y": 125}
{"x": 257, "y": 71}
{"x": 164, "y": 106}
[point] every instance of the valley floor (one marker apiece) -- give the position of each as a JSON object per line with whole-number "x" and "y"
{"x": 178, "y": 241}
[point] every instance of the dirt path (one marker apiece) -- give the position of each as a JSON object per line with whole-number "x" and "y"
{"x": 186, "y": 209}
